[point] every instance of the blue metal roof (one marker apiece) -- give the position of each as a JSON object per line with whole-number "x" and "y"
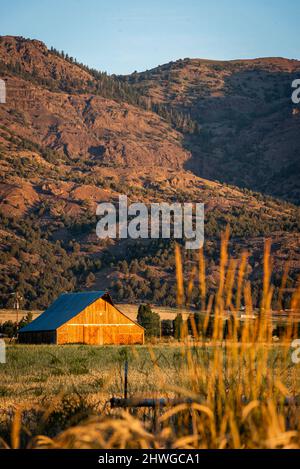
{"x": 62, "y": 310}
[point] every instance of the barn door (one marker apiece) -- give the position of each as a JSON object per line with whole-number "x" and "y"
{"x": 93, "y": 335}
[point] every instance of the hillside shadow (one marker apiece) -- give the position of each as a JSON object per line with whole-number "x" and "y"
{"x": 249, "y": 137}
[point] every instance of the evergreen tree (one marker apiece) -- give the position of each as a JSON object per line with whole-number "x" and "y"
{"x": 167, "y": 327}
{"x": 26, "y": 320}
{"x": 149, "y": 320}
{"x": 180, "y": 331}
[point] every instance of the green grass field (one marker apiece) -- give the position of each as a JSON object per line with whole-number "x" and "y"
{"x": 74, "y": 381}
{"x": 55, "y": 387}
{"x": 33, "y": 373}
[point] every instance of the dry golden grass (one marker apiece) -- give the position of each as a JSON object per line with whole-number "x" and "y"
{"x": 243, "y": 392}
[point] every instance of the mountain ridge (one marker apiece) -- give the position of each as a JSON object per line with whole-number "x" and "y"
{"x": 228, "y": 113}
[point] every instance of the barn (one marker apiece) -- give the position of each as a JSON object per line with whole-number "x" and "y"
{"x": 82, "y": 318}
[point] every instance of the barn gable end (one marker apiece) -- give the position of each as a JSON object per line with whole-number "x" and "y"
{"x": 99, "y": 324}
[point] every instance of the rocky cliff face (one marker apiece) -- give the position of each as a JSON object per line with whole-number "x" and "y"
{"x": 79, "y": 125}
{"x": 90, "y": 127}
{"x": 249, "y": 129}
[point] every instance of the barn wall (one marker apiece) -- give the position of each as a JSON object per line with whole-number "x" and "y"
{"x": 100, "y": 324}
{"x": 43, "y": 337}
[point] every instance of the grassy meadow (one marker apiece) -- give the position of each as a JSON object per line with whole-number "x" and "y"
{"x": 242, "y": 392}
{"x": 55, "y": 391}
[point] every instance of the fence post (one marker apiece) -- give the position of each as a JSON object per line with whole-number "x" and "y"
{"x": 2, "y": 351}
{"x": 126, "y": 379}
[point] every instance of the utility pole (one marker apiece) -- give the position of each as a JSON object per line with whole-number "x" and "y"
{"x": 16, "y": 305}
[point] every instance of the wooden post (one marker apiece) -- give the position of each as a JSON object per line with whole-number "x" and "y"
{"x": 125, "y": 379}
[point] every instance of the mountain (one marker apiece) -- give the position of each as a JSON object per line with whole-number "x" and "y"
{"x": 71, "y": 137}
{"x": 248, "y": 130}
{"x": 44, "y": 102}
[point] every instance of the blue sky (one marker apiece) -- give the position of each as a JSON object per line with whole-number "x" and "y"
{"x": 121, "y": 36}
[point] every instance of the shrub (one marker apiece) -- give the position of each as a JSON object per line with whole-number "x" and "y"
{"x": 149, "y": 320}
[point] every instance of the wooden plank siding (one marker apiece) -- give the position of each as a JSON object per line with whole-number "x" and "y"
{"x": 100, "y": 324}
